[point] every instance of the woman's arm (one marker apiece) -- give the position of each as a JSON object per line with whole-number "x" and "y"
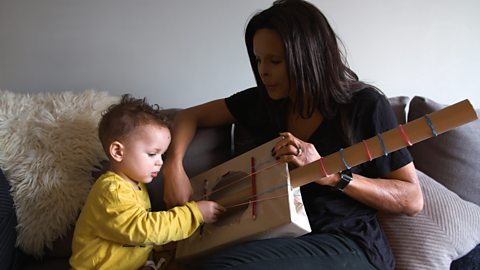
{"x": 177, "y": 187}
{"x": 398, "y": 192}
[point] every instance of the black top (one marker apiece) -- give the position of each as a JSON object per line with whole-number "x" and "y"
{"x": 328, "y": 209}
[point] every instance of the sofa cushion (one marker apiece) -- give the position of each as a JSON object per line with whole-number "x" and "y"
{"x": 471, "y": 261}
{"x": 446, "y": 229}
{"x": 399, "y": 106}
{"x": 452, "y": 158}
{"x": 8, "y": 221}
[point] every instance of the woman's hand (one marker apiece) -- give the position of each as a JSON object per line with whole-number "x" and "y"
{"x": 294, "y": 151}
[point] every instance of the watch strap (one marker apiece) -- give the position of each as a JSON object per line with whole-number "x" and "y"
{"x": 345, "y": 179}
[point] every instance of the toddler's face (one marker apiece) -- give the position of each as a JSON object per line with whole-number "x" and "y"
{"x": 143, "y": 150}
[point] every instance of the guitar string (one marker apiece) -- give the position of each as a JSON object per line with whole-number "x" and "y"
{"x": 258, "y": 200}
{"x": 261, "y": 169}
{"x": 248, "y": 199}
{"x": 205, "y": 227}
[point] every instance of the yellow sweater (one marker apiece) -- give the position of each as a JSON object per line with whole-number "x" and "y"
{"x": 116, "y": 229}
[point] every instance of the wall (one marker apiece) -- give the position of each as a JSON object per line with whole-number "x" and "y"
{"x": 180, "y": 53}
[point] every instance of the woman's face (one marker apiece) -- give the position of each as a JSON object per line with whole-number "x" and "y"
{"x": 270, "y": 55}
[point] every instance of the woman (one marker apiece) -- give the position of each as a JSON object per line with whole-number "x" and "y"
{"x": 306, "y": 93}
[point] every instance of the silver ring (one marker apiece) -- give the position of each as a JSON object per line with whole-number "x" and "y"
{"x": 299, "y": 151}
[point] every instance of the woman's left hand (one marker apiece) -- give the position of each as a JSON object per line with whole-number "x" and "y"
{"x": 294, "y": 151}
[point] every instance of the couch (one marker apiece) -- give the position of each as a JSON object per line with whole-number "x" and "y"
{"x": 445, "y": 235}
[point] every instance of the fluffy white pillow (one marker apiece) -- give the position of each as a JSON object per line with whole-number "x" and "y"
{"x": 48, "y": 149}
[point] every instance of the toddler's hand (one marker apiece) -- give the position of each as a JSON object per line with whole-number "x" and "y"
{"x": 210, "y": 210}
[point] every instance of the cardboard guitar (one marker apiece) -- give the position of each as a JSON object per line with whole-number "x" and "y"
{"x": 263, "y": 197}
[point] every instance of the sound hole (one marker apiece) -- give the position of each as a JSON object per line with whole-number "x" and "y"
{"x": 230, "y": 184}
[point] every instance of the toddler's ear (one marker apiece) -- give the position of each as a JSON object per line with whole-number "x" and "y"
{"x": 116, "y": 151}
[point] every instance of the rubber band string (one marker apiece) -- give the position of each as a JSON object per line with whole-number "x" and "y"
{"x": 404, "y": 135}
{"x": 205, "y": 197}
{"x": 254, "y": 188}
{"x": 253, "y": 198}
{"x": 429, "y": 122}
{"x": 343, "y": 159}
{"x": 254, "y": 195}
{"x": 205, "y": 189}
{"x": 250, "y": 198}
{"x": 382, "y": 144}
{"x": 258, "y": 200}
{"x": 322, "y": 166}
{"x": 266, "y": 167}
{"x": 367, "y": 150}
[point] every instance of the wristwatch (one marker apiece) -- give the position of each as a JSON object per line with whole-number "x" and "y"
{"x": 345, "y": 179}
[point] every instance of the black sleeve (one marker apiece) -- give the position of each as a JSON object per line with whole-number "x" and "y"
{"x": 373, "y": 115}
{"x": 243, "y": 105}
{"x": 254, "y": 124}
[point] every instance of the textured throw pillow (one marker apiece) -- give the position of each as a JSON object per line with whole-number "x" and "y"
{"x": 8, "y": 221}
{"x": 452, "y": 158}
{"x": 49, "y": 146}
{"x": 446, "y": 229}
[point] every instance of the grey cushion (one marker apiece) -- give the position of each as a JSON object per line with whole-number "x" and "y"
{"x": 471, "y": 261}
{"x": 446, "y": 229}
{"x": 452, "y": 158}
{"x": 209, "y": 148}
{"x": 399, "y": 105}
{"x": 8, "y": 221}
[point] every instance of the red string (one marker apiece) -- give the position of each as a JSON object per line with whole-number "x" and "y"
{"x": 205, "y": 185}
{"x": 205, "y": 197}
{"x": 322, "y": 166}
{"x": 367, "y": 150}
{"x": 268, "y": 166}
{"x": 258, "y": 200}
{"x": 404, "y": 135}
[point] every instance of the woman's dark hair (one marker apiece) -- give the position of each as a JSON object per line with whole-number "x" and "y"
{"x": 314, "y": 61}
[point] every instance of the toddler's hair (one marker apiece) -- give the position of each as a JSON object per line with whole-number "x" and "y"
{"x": 120, "y": 119}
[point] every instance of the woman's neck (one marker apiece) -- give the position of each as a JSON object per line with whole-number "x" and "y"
{"x": 303, "y": 128}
